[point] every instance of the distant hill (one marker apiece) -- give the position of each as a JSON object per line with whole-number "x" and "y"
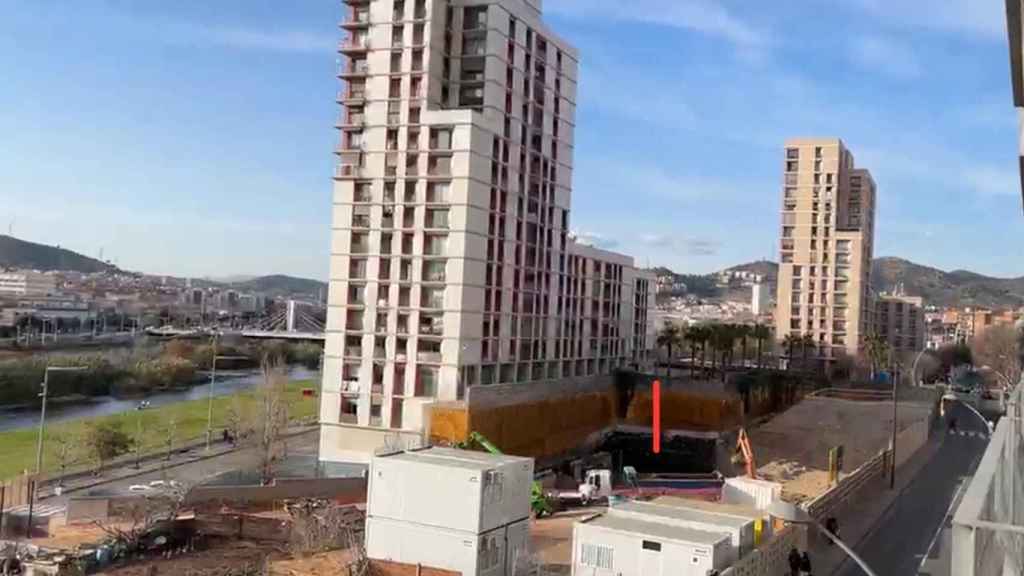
{"x": 956, "y": 288}
{"x": 281, "y": 285}
{"x": 15, "y": 253}
{"x": 766, "y": 268}
{"x": 937, "y": 287}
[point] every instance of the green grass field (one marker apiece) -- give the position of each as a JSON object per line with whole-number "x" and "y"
{"x": 18, "y": 447}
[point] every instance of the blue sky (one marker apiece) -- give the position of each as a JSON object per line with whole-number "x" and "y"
{"x": 196, "y": 138}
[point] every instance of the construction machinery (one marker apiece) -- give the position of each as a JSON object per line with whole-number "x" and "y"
{"x": 539, "y": 503}
{"x": 744, "y": 453}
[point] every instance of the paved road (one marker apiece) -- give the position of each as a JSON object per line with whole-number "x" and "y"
{"x": 299, "y": 447}
{"x": 912, "y": 526}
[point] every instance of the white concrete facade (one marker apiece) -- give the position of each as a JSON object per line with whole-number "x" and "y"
{"x": 27, "y": 283}
{"x": 451, "y": 260}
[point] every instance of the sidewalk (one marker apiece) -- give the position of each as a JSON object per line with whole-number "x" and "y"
{"x": 124, "y": 468}
{"x": 858, "y": 520}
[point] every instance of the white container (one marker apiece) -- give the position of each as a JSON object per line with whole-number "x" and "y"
{"x": 466, "y": 553}
{"x": 722, "y": 509}
{"x": 751, "y": 492}
{"x": 739, "y": 530}
{"x": 455, "y": 489}
{"x": 606, "y": 545}
{"x": 517, "y": 548}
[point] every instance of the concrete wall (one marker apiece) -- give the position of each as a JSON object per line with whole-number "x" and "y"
{"x": 772, "y": 557}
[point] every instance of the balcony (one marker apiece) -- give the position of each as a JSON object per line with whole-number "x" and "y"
{"x": 432, "y": 357}
{"x": 359, "y": 18}
{"x": 360, "y": 221}
{"x": 432, "y": 329}
{"x": 354, "y": 45}
{"x": 353, "y": 352}
{"x": 354, "y": 69}
{"x": 351, "y": 121}
{"x": 347, "y": 171}
{"x": 352, "y": 95}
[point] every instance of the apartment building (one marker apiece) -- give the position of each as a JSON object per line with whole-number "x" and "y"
{"x": 900, "y": 321}
{"x": 827, "y": 237}
{"x": 452, "y": 264}
{"x": 27, "y": 283}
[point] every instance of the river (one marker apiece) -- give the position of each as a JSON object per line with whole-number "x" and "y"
{"x": 227, "y": 383}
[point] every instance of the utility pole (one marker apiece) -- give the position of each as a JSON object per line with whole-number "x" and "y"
{"x": 895, "y": 413}
{"x": 42, "y": 413}
{"x": 209, "y": 408}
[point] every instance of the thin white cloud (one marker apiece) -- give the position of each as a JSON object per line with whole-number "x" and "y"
{"x": 982, "y": 18}
{"x": 708, "y": 17}
{"x": 884, "y": 55}
{"x": 594, "y": 239}
{"x": 691, "y": 246}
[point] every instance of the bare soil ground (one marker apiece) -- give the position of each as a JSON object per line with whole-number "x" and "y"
{"x": 71, "y": 536}
{"x": 551, "y": 537}
{"x": 794, "y": 445}
{"x": 231, "y": 555}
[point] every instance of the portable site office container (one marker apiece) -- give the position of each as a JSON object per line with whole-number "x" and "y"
{"x": 455, "y": 489}
{"x": 751, "y": 492}
{"x": 739, "y": 530}
{"x": 722, "y": 509}
{"x": 500, "y": 552}
{"x": 606, "y": 545}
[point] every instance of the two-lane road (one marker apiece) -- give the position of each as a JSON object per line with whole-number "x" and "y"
{"x": 900, "y": 544}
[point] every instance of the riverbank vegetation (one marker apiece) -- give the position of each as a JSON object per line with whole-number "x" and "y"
{"x": 142, "y": 369}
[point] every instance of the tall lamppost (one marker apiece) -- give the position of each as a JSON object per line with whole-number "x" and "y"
{"x": 796, "y": 515}
{"x": 42, "y": 413}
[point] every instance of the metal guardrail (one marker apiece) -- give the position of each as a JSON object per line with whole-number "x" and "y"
{"x": 988, "y": 527}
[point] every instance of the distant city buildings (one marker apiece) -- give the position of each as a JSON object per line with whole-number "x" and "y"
{"x": 759, "y": 299}
{"x": 826, "y": 246}
{"x": 452, "y": 264}
{"x": 16, "y": 283}
{"x": 900, "y": 321}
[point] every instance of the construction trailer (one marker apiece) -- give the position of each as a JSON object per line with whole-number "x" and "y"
{"x": 608, "y": 545}
{"x": 760, "y": 518}
{"x": 450, "y": 509}
{"x": 499, "y": 552}
{"x": 740, "y": 530}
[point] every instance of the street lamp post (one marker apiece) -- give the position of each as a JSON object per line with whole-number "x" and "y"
{"x": 796, "y": 515}
{"x": 138, "y": 432}
{"x": 42, "y": 413}
{"x": 209, "y": 407}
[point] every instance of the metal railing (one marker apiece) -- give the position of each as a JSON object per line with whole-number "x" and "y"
{"x": 988, "y": 527}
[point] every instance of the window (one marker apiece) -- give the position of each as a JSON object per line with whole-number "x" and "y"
{"x": 652, "y": 546}
{"x": 596, "y": 556}
{"x": 792, "y": 153}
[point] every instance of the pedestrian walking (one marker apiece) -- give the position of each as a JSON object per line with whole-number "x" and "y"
{"x": 794, "y": 562}
{"x": 832, "y": 525}
{"x": 805, "y": 564}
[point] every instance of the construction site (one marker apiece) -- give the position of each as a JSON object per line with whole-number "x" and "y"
{"x": 513, "y": 481}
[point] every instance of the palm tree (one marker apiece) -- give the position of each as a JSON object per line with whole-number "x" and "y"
{"x": 699, "y": 336}
{"x": 693, "y": 337}
{"x": 669, "y": 336}
{"x": 743, "y": 332}
{"x": 761, "y": 333}
{"x": 722, "y": 340}
{"x": 806, "y": 342}
{"x": 878, "y": 352}
{"x": 789, "y": 343}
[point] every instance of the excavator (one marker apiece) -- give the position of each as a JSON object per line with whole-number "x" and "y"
{"x": 539, "y": 503}
{"x": 744, "y": 453}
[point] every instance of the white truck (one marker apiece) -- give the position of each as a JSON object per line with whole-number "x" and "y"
{"x": 597, "y": 485}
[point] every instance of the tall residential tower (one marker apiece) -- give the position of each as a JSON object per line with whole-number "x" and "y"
{"x": 452, "y": 264}
{"x": 828, "y": 223}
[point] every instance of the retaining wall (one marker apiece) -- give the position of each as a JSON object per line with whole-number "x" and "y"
{"x": 772, "y": 557}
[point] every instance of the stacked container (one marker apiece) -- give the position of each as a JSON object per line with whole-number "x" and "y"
{"x": 451, "y": 509}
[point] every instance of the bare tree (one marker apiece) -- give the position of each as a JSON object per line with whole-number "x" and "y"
{"x": 67, "y": 449}
{"x": 273, "y": 418}
{"x": 156, "y": 508}
{"x": 997, "y": 348}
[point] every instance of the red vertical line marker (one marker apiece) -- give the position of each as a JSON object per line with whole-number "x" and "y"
{"x": 656, "y": 412}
